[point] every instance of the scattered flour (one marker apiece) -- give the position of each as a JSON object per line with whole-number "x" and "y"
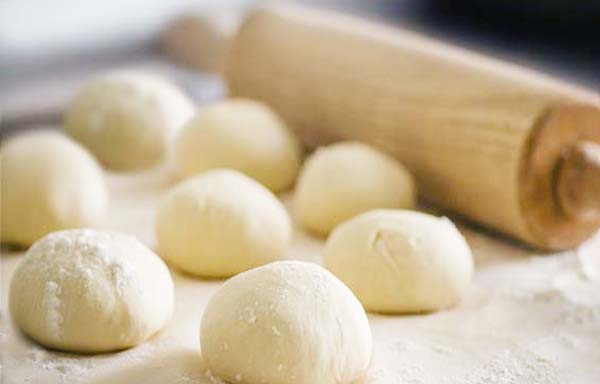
{"x": 387, "y": 376}
{"x": 61, "y": 364}
{"x": 511, "y": 367}
{"x": 212, "y": 378}
{"x": 588, "y": 256}
{"x": 441, "y": 349}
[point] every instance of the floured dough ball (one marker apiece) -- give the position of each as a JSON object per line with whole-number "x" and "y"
{"x": 221, "y": 223}
{"x": 400, "y": 261}
{"x": 89, "y": 291}
{"x": 244, "y": 135}
{"x": 128, "y": 119}
{"x": 342, "y": 180}
{"x": 286, "y": 322}
{"x": 49, "y": 182}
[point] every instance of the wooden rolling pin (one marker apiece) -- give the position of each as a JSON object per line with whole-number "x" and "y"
{"x": 503, "y": 146}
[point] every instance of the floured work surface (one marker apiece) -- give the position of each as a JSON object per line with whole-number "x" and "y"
{"x": 528, "y": 318}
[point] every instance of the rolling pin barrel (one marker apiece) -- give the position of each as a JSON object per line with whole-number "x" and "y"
{"x": 498, "y": 144}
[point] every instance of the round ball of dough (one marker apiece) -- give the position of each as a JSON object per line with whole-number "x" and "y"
{"x": 286, "y": 322}
{"x": 90, "y": 291}
{"x": 244, "y": 135}
{"x": 49, "y": 182}
{"x": 400, "y": 261}
{"x": 221, "y": 223}
{"x": 342, "y": 180}
{"x": 128, "y": 119}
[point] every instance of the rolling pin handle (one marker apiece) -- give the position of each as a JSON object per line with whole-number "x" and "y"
{"x": 578, "y": 188}
{"x": 202, "y": 40}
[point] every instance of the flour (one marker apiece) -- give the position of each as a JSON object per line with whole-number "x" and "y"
{"x": 51, "y": 301}
{"x": 588, "y": 256}
{"x": 212, "y": 378}
{"x": 441, "y": 349}
{"x": 512, "y": 367}
{"x": 400, "y": 375}
{"x": 91, "y": 245}
{"x": 63, "y": 365}
{"x": 573, "y": 287}
{"x": 382, "y": 376}
{"x": 86, "y": 253}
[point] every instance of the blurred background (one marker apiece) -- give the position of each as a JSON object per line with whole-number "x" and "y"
{"x": 48, "y": 47}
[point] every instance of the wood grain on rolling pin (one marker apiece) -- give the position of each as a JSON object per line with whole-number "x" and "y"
{"x": 484, "y": 139}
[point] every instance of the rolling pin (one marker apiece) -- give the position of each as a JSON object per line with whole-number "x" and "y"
{"x": 503, "y": 146}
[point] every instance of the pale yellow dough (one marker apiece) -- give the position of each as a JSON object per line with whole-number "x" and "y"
{"x": 398, "y": 261}
{"x": 90, "y": 291}
{"x": 342, "y": 180}
{"x": 287, "y": 322}
{"x": 220, "y": 223}
{"x": 128, "y": 119}
{"x": 241, "y": 134}
{"x": 49, "y": 182}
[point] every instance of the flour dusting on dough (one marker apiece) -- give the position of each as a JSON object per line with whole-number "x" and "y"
{"x": 51, "y": 301}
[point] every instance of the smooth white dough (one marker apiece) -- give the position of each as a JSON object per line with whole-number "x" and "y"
{"x": 220, "y": 223}
{"x": 342, "y": 180}
{"x": 49, "y": 182}
{"x": 128, "y": 119}
{"x": 286, "y": 322}
{"x": 90, "y": 291}
{"x": 398, "y": 261}
{"x": 244, "y": 135}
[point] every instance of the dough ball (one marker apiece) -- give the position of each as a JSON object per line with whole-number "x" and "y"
{"x": 400, "y": 261}
{"x": 49, "y": 182}
{"x": 128, "y": 119}
{"x": 89, "y": 291}
{"x": 342, "y": 180}
{"x": 286, "y": 322}
{"x": 241, "y": 134}
{"x": 221, "y": 223}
